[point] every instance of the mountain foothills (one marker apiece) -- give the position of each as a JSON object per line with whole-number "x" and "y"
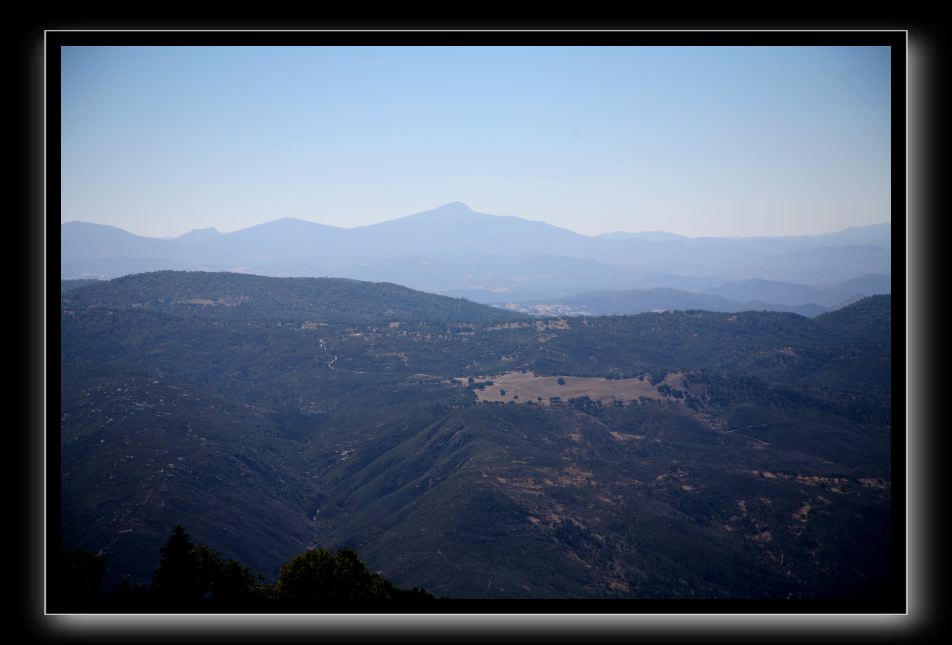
{"x": 455, "y": 251}
{"x": 476, "y": 452}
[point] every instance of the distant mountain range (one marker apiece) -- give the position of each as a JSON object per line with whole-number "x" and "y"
{"x": 456, "y": 251}
{"x": 748, "y": 295}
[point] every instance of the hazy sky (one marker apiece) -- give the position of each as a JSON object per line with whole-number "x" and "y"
{"x": 691, "y": 140}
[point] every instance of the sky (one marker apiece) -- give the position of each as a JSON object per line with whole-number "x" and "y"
{"x": 699, "y": 141}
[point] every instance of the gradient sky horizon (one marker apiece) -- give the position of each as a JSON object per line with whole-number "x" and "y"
{"x": 699, "y": 141}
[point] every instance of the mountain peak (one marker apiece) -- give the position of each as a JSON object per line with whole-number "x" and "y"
{"x": 211, "y": 230}
{"x": 199, "y": 234}
{"x": 453, "y": 207}
{"x": 444, "y": 212}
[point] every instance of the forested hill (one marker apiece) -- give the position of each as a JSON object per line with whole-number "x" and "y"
{"x": 239, "y": 296}
{"x": 69, "y": 285}
{"x": 869, "y": 319}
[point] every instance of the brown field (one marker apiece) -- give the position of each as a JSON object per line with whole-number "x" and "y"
{"x": 523, "y": 387}
{"x": 227, "y": 301}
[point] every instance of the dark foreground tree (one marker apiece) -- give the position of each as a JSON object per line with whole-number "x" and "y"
{"x": 318, "y": 580}
{"x": 228, "y": 585}
{"x": 195, "y": 578}
{"x": 178, "y": 583}
{"x": 131, "y": 598}
{"x": 75, "y": 581}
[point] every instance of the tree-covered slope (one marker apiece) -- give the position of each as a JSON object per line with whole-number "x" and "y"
{"x": 762, "y": 470}
{"x": 236, "y": 296}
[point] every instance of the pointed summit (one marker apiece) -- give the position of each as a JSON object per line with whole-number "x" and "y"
{"x": 199, "y": 234}
{"x": 453, "y": 208}
{"x": 449, "y": 211}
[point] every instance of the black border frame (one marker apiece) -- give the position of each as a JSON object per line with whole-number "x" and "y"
{"x": 897, "y": 39}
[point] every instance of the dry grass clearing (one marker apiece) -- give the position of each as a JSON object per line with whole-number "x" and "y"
{"x": 523, "y": 387}
{"x": 227, "y": 301}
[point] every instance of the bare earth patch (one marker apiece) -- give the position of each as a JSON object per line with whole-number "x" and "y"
{"x": 574, "y": 476}
{"x": 803, "y": 513}
{"x": 832, "y": 484}
{"x": 626, "y": 437}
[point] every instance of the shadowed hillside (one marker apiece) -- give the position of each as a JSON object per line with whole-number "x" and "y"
{"x": 726, "y": 455}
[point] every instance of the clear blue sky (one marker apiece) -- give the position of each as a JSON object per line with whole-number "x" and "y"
{"x": 691, "y": 140}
